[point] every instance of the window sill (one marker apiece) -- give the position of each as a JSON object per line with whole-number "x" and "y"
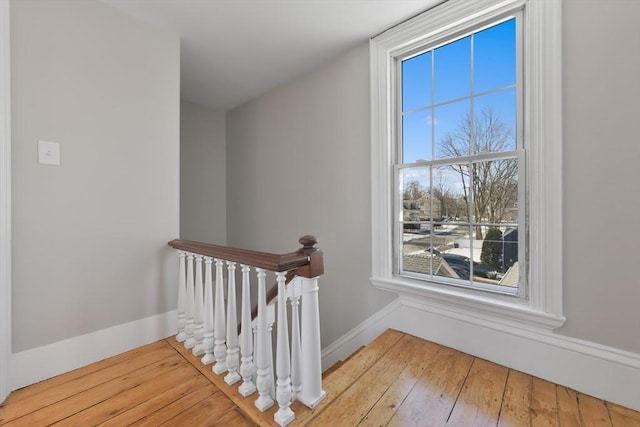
{"x": 464, "y": 304}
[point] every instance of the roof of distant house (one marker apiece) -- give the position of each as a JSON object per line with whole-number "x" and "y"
{"x": 511, "y": 277}
{"x": 425, "y": 262}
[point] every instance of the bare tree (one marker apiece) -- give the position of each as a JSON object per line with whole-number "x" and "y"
{"x": 441, "y": 191}
{"x": 492, "y": 184}
{"x": 413, "y": 190}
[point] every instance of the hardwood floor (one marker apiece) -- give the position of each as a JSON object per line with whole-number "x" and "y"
{"x": 149, "y": 386}
{"x": 397, "y": 380}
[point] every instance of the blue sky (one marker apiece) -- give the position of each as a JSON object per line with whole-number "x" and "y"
{"x": 445, "y": 74}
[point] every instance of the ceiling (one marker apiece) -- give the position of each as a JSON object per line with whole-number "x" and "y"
{"x": 235, "y": 50}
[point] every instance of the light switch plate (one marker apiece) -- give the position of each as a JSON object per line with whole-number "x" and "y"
{"x": 48, "y": 153}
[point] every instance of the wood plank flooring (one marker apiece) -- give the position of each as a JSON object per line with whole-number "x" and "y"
{"x": 149, "y": 386}
{"x": 397, "y": 380}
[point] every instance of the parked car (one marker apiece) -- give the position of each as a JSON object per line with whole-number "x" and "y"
{"x": 460, "y": 264}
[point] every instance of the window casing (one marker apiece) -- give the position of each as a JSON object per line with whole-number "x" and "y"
{"x": 538, "y": 298}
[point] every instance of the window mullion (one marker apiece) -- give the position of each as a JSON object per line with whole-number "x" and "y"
{"x": 433, "y": 111}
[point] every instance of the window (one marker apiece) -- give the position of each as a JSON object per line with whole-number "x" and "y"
{"x": 466, "y": 159}
{"x": 460, "y": 168}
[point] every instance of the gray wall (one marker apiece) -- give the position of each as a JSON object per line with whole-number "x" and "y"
{"x": 203, "y": 189}
{"x": 90, "y": 235}
{"x": 298, "y": 162}
{"x": 601, "y": 157}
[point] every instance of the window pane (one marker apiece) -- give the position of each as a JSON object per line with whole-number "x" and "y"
{"x": 416, "y": 82}
{"x": 414, "y": 184}
{"x": 510, "y": 264}
{"x": 495, "y": 122}
{"x": 454, "y": 264}
{"x": 415, "y": 258}
{"x": 452, "y": 129}
{"x": 451, "y": 186}
{"x": 498, "y": 257}
{"x": 414, "y": 215}
{"x": 452, "y": 70}
{"x": 494, "y": 57}
{"x": 416, "y": 136}
{"x": 495, "y": 193}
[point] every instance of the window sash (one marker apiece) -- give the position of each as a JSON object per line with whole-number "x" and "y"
{"x": 399, "y": 222}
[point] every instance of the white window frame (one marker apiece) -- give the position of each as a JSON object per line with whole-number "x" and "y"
{"x": 541, "y": 305}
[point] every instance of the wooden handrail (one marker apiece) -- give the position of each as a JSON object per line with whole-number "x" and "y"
{"x": 306, "y": 262}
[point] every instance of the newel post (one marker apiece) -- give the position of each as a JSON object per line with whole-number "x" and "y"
{"x": 311, "y": 394}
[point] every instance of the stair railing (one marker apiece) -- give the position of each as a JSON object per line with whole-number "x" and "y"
{"x": 207, "y": 320}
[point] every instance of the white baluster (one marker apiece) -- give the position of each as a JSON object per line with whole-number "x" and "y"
{"x": 272, "y": 372}
{"x": 263, "y": 381}
{"x": 189, "y": 327}
{"x": 254, "y": 328}
{"x": 233, "y": 349}
{"x": 198, "y": 330}
{"x": 283, "y": 363}
{"x": 219, "y": 330}
{"x": 247, "y": 368}
{"x": 182, "y": 297}
{"x": 311, "y": 394}
{"x": 296, "y": 379}
{"x": 207, "y": 342}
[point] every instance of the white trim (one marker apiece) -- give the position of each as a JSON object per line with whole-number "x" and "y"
{"x": 5, "y": 200}
{"x": 604, "y": 372}
{"x": 543, "y": 131}
{"x": 459, "y": 302}
{"x": 31, "y": 366}
{"x": 542, "y": 307}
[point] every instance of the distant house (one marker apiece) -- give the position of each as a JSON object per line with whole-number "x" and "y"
{"x": 431, "y": 206}
{"x": 509, "y": 248}
{"x": 422, "y": 209}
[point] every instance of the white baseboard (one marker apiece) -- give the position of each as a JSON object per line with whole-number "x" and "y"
{"x": 604, "y": 372}
{"x": 361, "y": 335}
{"x": 37, "y": 364}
